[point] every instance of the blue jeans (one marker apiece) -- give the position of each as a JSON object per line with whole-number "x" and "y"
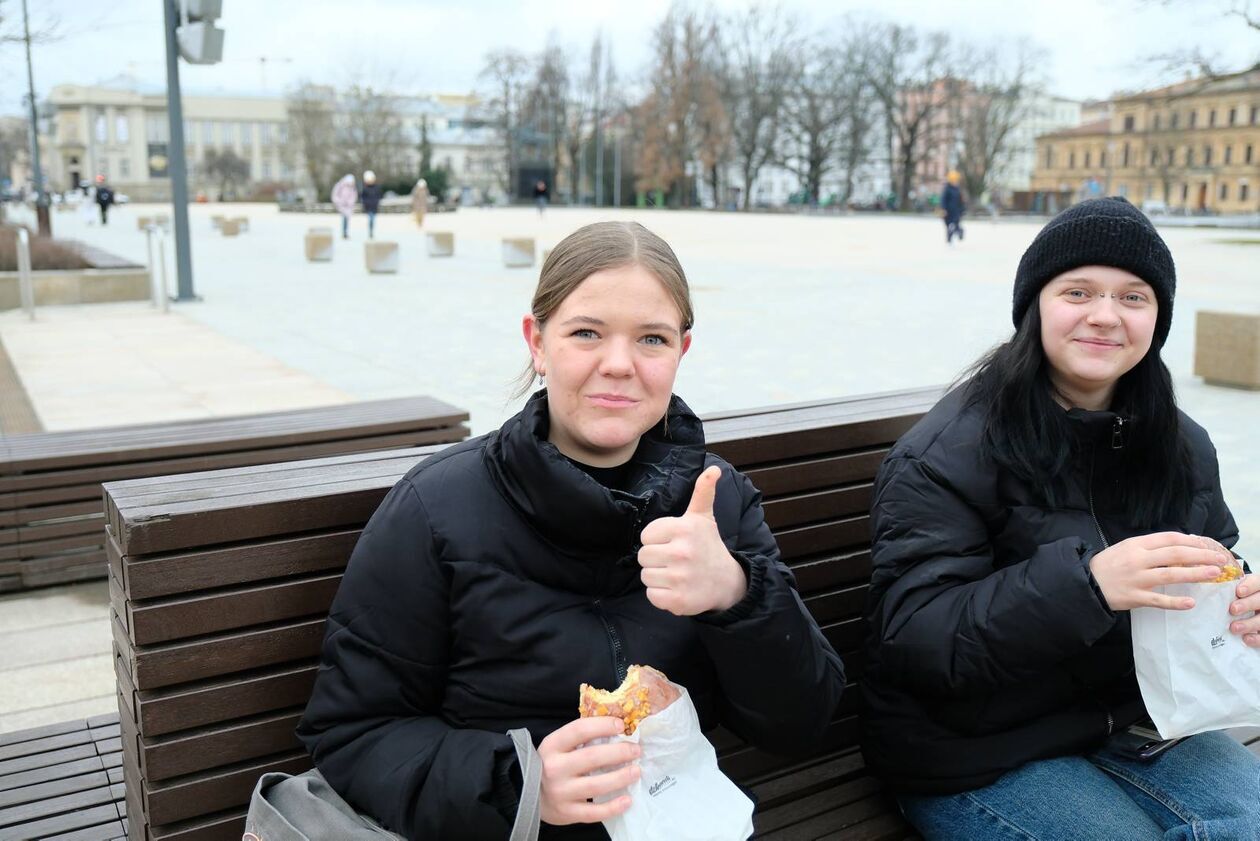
{"x": 371, "y": 223}
{"x": 1206, "y": 788}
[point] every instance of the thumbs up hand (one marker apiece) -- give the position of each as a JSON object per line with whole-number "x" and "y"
{"x": 685, "y": 565}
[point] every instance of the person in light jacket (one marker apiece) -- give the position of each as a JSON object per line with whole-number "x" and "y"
{"x": 344, "y": 197}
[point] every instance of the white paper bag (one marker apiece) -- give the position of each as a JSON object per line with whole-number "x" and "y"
{"x": 1194, "y": 674}
{"x": 681, "y": 794}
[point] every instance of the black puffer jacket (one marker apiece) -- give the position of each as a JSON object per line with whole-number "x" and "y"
{"x": 991, "y": 645}
{"x": 494, "y": 579}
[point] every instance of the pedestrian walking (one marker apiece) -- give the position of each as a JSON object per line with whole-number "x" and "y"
{"x": 344, "y": 196}
{"x": 953, "y": 206}
{"x": 87, "y": 204}
{"x": 541, "y": 196}
{"x": 104, "y": 198}
{"x": 370, "y": 198}
{"x": 420, "y": 201}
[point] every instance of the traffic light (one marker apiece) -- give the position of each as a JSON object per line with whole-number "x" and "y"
{"x": 200, "y": 41}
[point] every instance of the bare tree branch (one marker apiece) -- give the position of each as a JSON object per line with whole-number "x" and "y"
{"x": 505, "y": 71}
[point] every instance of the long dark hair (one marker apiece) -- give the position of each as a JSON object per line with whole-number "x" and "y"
{"x": 1029, "y": 434}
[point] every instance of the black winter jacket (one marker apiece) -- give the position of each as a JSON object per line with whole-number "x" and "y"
{"x": 370, "y": 196}
{"x": 991, "y": 645}
{"x": 494, "y": 579}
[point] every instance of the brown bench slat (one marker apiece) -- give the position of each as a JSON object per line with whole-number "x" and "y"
{"x": 114, "y": 831}
{"x": 65, "y": 822}
{"x": 44, "y": 451}
{"x": 217, "y": 790}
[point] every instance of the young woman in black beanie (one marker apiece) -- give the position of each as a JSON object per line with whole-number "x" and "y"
{"x": 1014, "y": 528}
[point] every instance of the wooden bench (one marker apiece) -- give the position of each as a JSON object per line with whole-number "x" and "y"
{"x": 63, "y": 781}
{"x": 51, "y": 513}
{"x": 221, "y": 582}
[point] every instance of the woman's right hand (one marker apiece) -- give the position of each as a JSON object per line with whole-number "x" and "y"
{"x": 572, "y": 771}
{"x": 1128, "y": 572}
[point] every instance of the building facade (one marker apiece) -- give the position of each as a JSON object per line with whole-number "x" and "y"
{"x": 1193, "y": 147}
{"x": 123, "y": 133}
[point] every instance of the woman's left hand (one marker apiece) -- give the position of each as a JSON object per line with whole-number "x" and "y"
{"x": 685, "y": 565}
{"x": 1248, "y": 594}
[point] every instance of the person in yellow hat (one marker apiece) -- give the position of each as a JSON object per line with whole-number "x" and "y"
{"x": 953, "y": 205}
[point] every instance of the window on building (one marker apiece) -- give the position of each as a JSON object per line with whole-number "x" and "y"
{"x": 1150, "y": 189}
{"x": 100, "y": 130}
{"x": 1212, "y": 117}
{"x": 1242, "y": 190}
{"x": 266, "y": 170}
{"x": 1193, "y": 118}
{"x": 1072, "y": 159}
{"x": 122, "y": 133}
{"x": 1229, "y": 153}
{"x": 1128, "y": 122}
{"x": 1247, "y": 154}
{"x": 247, "y": 135}
{"x": 1155, "y": 122}
{"x": 1189, "y": 156}
{"x": 1102, "y": 158}
{"x": 264, "y": 134}
{"x": 1224, "y": 192}
{"x": 1124, "y": 155}
{"x": 1255, "y": 114}
{"x": 1185, "y": 192}
{"x": 1233, "y": 116}
{"x": 207, "y": 133}
{"x": 1154, "y": 157}
{"x": 156, "y": 128}
{"x": 103, "y": 168}
{"x": 1207, "y": 155}
{"x": 1049, "y": 156}
{"x": 1173, "y": 119}
{"x": 124, "y": 167}
{"x": 1087, "y": 158}
{"x": 282, "y": 132}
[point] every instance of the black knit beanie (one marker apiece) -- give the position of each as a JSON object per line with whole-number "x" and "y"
{"x": 1099, "y": 232}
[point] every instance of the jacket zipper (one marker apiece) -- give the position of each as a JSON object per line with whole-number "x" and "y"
{"x": 1117, "y": 442}
{"x": 620, "y": 666}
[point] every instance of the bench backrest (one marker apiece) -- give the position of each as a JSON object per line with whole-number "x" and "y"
{"x": 221, "y": 584}
{"x": 51, "y": 513}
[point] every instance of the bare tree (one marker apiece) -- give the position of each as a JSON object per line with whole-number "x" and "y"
{"x": 907, "y": 74}
{"x": 828, "y": 113}
{"x": 681, "y": 118}
{"x": 547, "y": 103}
{"x": 983, "y": 116}
{"x": 226, "y": 168}
{"x": 13, "y": 141}
{"x": 312, "y": 139}
{"x": 1197, "y": 60}
{"x": 371, "y": 133}
{"x": 756, "y": 65}
{"x": 506, "y": 71}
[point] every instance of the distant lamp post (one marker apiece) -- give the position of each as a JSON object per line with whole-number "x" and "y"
{"x": 191, "y": 33}
{"x": 44, "y": 222}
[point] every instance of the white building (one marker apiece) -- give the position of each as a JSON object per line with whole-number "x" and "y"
{"x": 1042, "y": 114}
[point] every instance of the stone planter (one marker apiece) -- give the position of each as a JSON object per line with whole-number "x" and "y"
{"x": 77, "y": 286}
{"x": 1227, "y": 348}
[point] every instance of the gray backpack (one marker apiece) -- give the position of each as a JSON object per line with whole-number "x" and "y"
{"x": 306, "y": 808}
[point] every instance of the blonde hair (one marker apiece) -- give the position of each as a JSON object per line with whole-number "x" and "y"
{"x": 594, "y": 248}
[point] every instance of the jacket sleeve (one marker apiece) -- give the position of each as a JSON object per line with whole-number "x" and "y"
{"x": 372, "y": 723}
{"x": 1221, "y": 526}
{"x": 781, "y": 681}
{"x": 947, "y": 621}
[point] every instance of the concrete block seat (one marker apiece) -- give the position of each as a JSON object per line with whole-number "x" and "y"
{"x": 1227, "y": 348}
{"x": 381, "y": 256}
{"x": 518, "y": 252}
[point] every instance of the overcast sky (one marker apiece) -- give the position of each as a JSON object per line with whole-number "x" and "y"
{"x": 1095, "y": 46}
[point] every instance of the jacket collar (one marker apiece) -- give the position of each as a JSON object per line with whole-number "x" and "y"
{"x": 574, "y": 512}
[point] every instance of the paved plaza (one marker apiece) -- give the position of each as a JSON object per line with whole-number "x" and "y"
{"x": 789, "y": 308}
